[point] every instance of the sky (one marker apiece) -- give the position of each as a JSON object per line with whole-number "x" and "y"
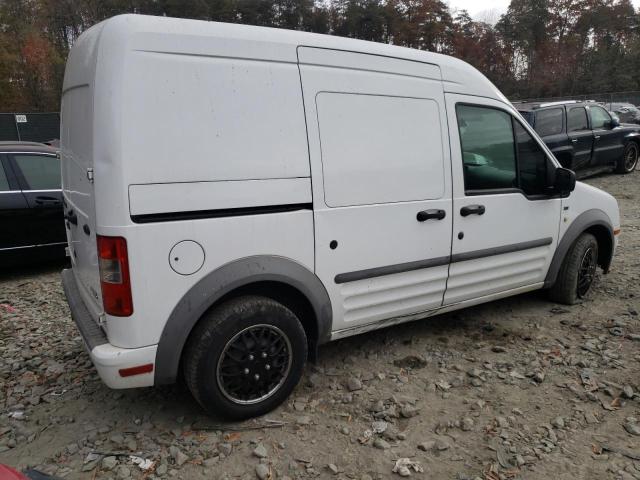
{"x": 490, "y": 10}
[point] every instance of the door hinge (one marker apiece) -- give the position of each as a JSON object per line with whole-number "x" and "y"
{"x": 90, "y": 175}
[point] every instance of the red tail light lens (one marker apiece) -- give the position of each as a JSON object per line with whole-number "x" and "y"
{"x": 114, "y": 276}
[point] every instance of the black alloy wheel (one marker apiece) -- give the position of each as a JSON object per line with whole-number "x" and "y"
{"x": 586, "y": 272}
{"x": 254, "y": 364}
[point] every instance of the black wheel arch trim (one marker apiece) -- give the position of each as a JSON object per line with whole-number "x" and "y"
{"x": 224, "y": 280}
{"x": 583, "y": 222}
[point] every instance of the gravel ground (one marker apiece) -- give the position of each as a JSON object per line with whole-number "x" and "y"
{"x": 519, "y": 388}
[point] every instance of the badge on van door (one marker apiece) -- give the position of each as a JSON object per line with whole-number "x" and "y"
{"x": 21, "y": 119}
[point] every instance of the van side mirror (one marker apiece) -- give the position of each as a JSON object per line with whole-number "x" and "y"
{"x": 614, "y": 122}
{"x": 565, "y": 181}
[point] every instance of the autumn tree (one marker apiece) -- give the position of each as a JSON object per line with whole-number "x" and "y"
{"x": 537, "y": 48}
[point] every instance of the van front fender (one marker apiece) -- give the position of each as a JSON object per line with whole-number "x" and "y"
{"x": 225, "y": 280}
{"x": 595, "y": 221}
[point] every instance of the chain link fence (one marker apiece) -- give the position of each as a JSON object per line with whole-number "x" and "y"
{"x": 32, "y": 127}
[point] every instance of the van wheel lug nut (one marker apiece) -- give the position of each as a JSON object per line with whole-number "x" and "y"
{"x": 264, "y": 354}
{"x": 250, "y": 357}
{"x": 267, "y": 367}
{"x": 256, "y": 376}
{"x": 246, "y": 371}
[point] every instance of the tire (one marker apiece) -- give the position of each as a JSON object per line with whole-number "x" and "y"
{"x": 629, "y": 160}
{"x": 267, "y": 341}
{"x": 573, "y": 284}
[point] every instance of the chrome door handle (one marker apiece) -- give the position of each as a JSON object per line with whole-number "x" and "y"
{"x": 597, "y": 137}
{"x": 574, "y": 140}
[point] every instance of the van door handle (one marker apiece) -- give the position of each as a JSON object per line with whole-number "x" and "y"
{"x": 428, "y": 214}
{"x": 574, "y": 140}
{"x": 472, "y": 210}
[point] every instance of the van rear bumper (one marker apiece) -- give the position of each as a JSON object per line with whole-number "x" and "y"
{"x": 108, "y": 359}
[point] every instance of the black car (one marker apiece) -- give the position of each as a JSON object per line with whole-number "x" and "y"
{"x": 584, "y": 136}
{"x": 30, "y": 200}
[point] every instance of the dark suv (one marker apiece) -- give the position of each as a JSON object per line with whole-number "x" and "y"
{"x": 31, "y": 215}
{"x": 584, "y": 136}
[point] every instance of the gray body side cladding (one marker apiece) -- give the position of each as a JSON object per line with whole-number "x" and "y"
{"x": 582, "y": 222}
{"x": 221, "y": 282}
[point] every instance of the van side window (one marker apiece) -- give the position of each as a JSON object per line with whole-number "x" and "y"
{"x": 532, "y": 162}
{"x": 549, "y": 122}
{"x": 488, "y": 151}
{"x": 577, "y": 119}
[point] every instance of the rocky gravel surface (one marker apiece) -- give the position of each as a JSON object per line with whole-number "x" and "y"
{"x": 516, "y": 389}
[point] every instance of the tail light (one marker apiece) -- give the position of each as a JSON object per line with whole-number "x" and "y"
{"x": 114, "y": 276}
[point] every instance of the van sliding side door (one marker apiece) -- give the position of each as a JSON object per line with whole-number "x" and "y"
{"x": 379, "y": 154}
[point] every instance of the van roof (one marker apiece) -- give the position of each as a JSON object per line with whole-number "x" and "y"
{"x": 132, "y": 32}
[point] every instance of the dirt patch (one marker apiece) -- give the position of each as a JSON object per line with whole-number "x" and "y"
{"x": 519, "y": 388}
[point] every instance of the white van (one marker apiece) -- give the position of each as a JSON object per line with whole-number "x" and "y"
{"x": 236, "y": 196}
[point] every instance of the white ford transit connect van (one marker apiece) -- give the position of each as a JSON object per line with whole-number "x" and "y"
{"x": 236, "y": 196}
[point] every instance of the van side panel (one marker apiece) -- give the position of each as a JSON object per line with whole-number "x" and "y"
{"x": 193, "y": 197}
{"x": 211, "y": 119}
{"x": 157, "y": 288}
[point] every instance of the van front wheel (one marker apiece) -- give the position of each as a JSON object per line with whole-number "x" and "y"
{"x": 245, "y": 357}
{"x": 577, "y": 272}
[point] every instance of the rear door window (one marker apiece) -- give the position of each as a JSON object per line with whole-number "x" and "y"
{"x": 577, "y": 119}
{"x": 41, "y": 172}
{"x": 549, "y": 122}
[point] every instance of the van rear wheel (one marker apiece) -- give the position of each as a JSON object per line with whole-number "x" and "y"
{"x": 245, "y": 357}
{"x": 577, "y": 272}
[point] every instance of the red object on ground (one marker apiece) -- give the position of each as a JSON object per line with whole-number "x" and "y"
{"x": 8, "y": 473}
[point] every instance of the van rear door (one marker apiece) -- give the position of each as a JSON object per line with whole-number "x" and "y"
{"x": 78, "y": 192}
{"x": 381, "y": 183}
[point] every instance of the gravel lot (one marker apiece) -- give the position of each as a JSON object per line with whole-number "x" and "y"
{"x": 519, "y": 388}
